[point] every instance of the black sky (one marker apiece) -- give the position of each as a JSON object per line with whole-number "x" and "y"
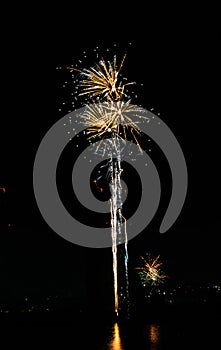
{"x": 178, "y": 63}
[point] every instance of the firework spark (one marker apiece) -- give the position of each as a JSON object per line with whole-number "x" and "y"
{"x": 102, "y": 81}
{"x": 151, "y": 273}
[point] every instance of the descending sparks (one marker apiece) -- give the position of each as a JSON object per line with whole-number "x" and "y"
{"x": 102, "y": 81}
{"x": 113, "y": 201}
{"x": 118, "y": 225}
{"x": 3, "y": 189}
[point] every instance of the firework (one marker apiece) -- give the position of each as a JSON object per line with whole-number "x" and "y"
{"x": 115, "y": 120}
{"x": 111, "y": 120}
{"x": 151, "y": 273}
{"x": 102, "y": 81}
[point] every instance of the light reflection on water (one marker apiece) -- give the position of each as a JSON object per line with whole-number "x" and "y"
{"x": 171, "y": 333}
{"x": 154, "y": 336}
{"x": 199, "y": 332}
{"x": 115, "y": 343}
{"x": 151, "y": 336}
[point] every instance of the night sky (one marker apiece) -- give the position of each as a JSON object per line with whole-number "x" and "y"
{"x": 177, "y": 63}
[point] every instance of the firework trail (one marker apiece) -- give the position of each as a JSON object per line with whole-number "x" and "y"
{"x": 114, "y": 225}
{"x": 101, "y": 121}
{"x": 118, "y": 235}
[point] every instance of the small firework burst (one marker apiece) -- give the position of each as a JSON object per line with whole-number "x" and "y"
{"x": 150, "y": 273}
{"x": 102, "y": 81}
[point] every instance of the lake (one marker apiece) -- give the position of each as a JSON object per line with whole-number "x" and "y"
{"x": 182, "y": 329}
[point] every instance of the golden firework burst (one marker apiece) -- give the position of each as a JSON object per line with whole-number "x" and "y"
{"x": 102, "y": 81}
{"x": 115, "y": 119}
